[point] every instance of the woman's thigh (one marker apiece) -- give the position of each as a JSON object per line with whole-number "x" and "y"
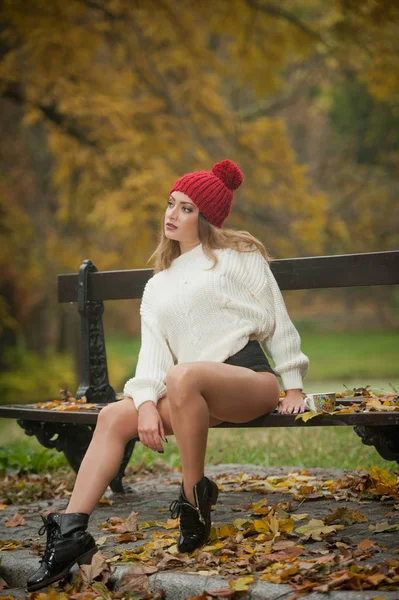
{"x": 235, "y": 394}
{"x": 163, "y": 409}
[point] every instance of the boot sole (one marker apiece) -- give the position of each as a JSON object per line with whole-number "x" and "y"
{"x": 83, "y": 559}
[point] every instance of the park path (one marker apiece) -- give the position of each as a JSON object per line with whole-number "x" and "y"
{"x": 151, "y": 497}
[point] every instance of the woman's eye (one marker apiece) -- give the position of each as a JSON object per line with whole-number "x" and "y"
{"x": 184, "y": 207}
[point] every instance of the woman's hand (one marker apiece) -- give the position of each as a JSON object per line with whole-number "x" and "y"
{"x": 150, "y": 426}
{"x": 292, "y": 403}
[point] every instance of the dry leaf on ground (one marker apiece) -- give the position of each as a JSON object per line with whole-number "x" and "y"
{"x": 16, "y": 521}
{"x": 98, "y": 568}
{"x": 135, "y": 579}
{"x": 315, "y": 529}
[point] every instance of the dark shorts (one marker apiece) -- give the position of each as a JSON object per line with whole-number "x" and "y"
{"x": 252, "y": 357}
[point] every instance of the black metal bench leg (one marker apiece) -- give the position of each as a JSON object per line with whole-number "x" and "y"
{"x": 385, "y": 439}
{"x": 73, "y": 440}
{"x": 70, "y": 438}
{"x": 116, "y": 484}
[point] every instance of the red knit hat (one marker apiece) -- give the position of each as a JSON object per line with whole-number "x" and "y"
{"x": 212, "y": 191}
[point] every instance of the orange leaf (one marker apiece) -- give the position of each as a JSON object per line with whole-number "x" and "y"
{"x": 16, "y": 521}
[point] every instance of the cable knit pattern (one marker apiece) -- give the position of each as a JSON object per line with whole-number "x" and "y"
{"x": 191, "y": 314}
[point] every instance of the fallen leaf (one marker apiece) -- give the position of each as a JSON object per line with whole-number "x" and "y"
{"x": 106, "y": 501}
{"x": 299, "y": 517}
{"x": 101, "y": 541}
{"x": 315, "y": 529}
{"x": 8, "y": 545}
{"x": 241, "y": 584}
{"x": 135, "y": 579}
{"x": 366, "y": 544}
{"x": 98, "y": 568}
{"x": 16, "y": 521}
{"x": 169, "y": 524}
{"x": 131, "y": 522}
{"x": 283, "y": 544}
{"x": 222, "y": 593}
{"x": 287, "y": 554}
{"x": 306, "y": 416}
{"x": 384, "y": 526}
{"x": 125, "y": 538}
{"x": 170, "y": 562}
{"x": 346, "y": 515}
{"x": 376, "y": 578}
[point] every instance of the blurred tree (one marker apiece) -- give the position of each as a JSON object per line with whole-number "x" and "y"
{"x": 117, "y": 98}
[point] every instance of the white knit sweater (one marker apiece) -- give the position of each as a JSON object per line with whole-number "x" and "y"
{"x": 189, "y": 314}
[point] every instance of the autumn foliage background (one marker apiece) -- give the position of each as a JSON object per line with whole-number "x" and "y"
{"x": 103, "y": 104}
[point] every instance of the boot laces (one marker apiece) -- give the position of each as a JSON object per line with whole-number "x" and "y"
{"x": 178, "y": 507}
{"x": 51, "y": 530}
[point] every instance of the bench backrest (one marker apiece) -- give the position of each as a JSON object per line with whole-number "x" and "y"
{"x": 89, "y": 288}
{"x": 345, "y": 270}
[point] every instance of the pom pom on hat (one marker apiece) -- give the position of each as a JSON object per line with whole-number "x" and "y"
{"x": 229, "y": 173}
{"x": 212, "y": 191}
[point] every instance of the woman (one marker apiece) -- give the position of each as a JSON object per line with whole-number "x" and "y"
{"x": 212, "y": 306}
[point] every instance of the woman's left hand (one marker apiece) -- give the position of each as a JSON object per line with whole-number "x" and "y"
{"x": 292, "y": 403}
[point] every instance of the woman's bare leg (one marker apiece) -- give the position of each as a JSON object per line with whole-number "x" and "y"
{"x": 227, "y": 393}
{"x": 116, "y": 425}
{"x": 190, "y": 421}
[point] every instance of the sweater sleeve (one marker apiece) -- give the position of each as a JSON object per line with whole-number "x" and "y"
{"x": 154, "y": 359}
{"x": 284, "y": 344}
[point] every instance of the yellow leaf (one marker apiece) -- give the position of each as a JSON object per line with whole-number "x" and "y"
{"x": 242, "y": 523}
{"x": 300, "y": 516}
{"x": 315, "y": 529}
{"x": 170, "y": 524}
{"x": 261, "y": 526}
{"x": 306, "y": 416}
{"x": 241, "y": 584}
{"x": 286, "y": 525}
{"x": 106, "y": 501}
{"x": 226, "y": 531}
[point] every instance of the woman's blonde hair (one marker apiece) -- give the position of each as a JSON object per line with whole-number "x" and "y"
{"x": 211, "y": 237}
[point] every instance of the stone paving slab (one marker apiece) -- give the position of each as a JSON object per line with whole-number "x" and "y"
{"x": 151, "y": 499}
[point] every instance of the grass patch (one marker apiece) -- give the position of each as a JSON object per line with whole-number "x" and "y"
{"x": 23, "y": 456}
{"x": 338, "y": 355}
{"x": 278, "y": 447}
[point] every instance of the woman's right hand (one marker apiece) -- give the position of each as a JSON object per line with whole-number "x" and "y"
{"x": 150, "y": 426}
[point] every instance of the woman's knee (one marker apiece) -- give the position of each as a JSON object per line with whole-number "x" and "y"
{"x": 180, "y": 381}
{"x": 118, "y": 418}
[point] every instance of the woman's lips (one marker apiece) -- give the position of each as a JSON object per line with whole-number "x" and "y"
{"x": 170, "y": 226}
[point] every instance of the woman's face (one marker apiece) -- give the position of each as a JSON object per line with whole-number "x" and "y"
{"x": 182, "y": 213}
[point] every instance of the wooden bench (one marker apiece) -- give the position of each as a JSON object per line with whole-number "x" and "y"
{"x": 71, "y": 432}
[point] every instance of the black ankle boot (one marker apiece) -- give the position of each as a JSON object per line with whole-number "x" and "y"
{"x": 67, "y": 543}
{"x": 195, "y": 521}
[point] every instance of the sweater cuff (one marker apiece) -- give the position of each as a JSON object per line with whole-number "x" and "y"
{"x": 142, "y": 395}
{"x": 292, "y": 379}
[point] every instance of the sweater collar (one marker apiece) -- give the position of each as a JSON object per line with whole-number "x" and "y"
{"x": 188, "y": 256}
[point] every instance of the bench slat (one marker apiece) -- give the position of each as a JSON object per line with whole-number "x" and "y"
{"x": 89, "y": 417}
{"x": 344, "y": 270}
